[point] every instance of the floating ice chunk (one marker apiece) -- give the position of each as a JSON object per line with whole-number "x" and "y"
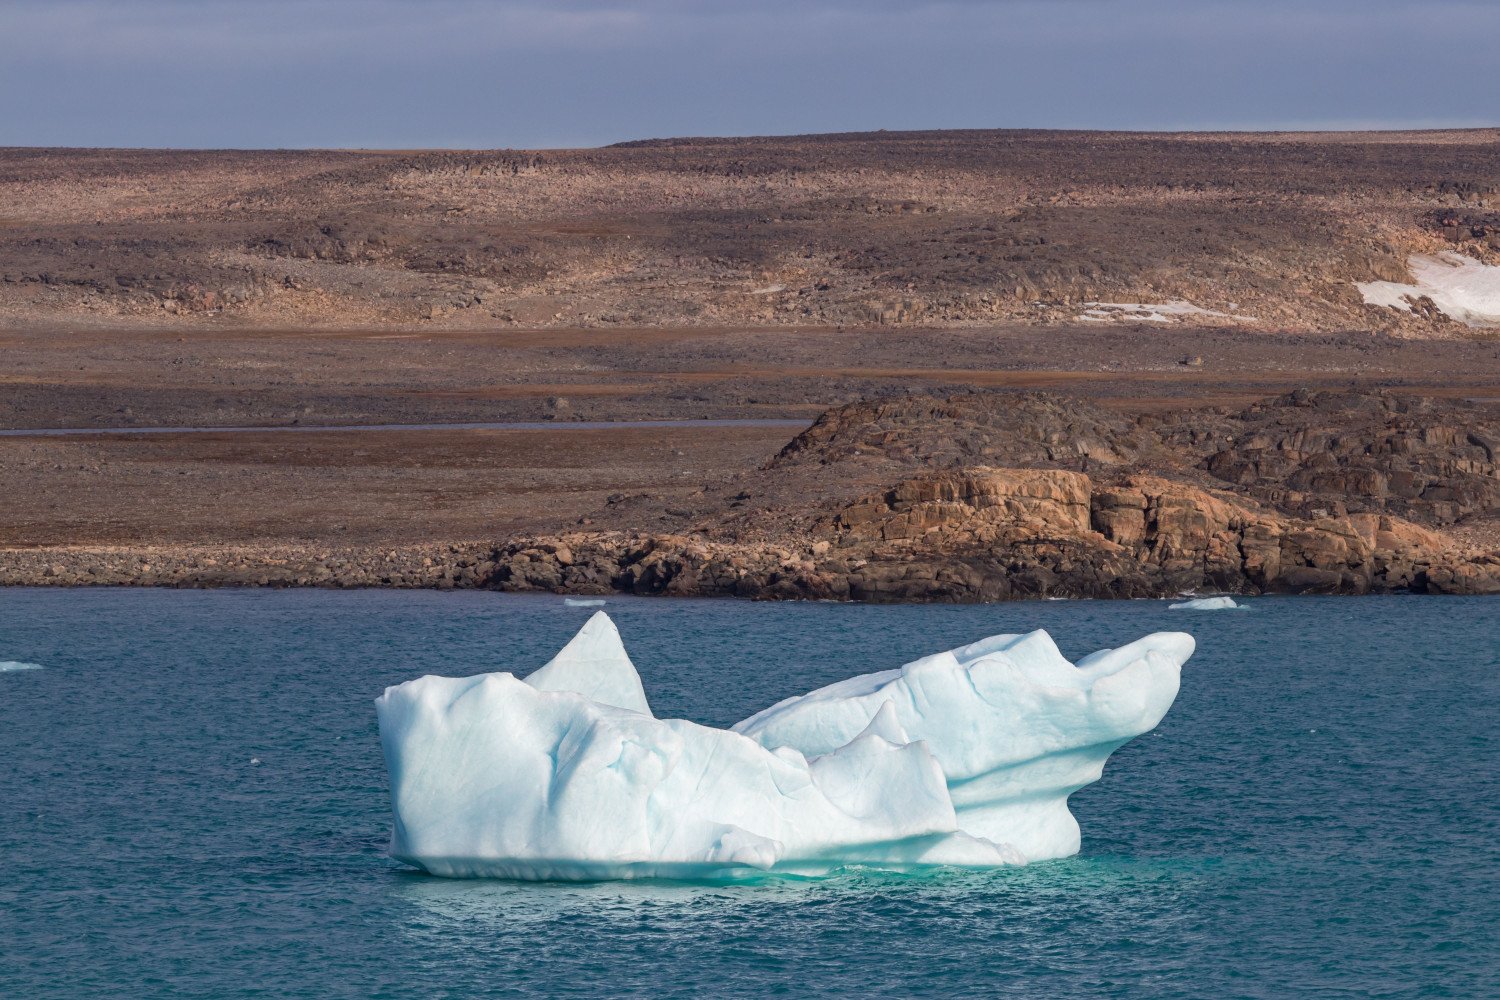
{"x": 584, "y": 602}
{"x": 1206, "y": 604}
{"x": 1462, "y": 288}
{"x": 15, "y": 666}
{"x": 595, "y": 665}
{"x": 964, "y": 758}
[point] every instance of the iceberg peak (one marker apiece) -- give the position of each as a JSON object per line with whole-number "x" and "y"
{"x": 594, "y": 664}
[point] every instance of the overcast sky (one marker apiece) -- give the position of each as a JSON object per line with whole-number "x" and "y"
{"x": 491, "y": 73}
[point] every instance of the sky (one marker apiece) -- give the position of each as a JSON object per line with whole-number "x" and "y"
{"x": 497, "y": 73}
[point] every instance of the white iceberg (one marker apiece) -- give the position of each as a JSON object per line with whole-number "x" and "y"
{"x": 1206, "y": 604}
{"x": 965, "y": 758}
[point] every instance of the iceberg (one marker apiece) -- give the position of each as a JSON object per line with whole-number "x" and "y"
{"x": 965, "y": 758}
{"x": 1206, "y": 604}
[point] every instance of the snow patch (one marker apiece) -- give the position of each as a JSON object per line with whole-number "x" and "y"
{"x": 1144, "y": 312}
{"x": 1206, "y": 604}
{"x": 963, "y": 758}
{"x": 15, "y": 666}
{"x": 1462, "y": 288}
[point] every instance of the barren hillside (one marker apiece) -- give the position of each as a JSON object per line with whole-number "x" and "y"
{"x": 927, "y": 229}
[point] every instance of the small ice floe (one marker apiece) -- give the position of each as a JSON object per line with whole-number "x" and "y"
{"x": 584, "y": 602}
{"x": 1462, "y": 288}
{"x": 15, "y": 666}
{"x": 1152, "y": 312}
{"x": 1206, "y": 604}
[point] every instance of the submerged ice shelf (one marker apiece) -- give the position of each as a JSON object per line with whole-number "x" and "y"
{"x": 962, "y": 758}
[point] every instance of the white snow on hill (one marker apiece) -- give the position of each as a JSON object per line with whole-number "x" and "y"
{"x": 1148, "y": 312}
{"x": 1464, "y": 289}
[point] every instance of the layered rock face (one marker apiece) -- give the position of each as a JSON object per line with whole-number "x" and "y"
{"x": 1145, "y": 534}
{"x": 994, "y": 534}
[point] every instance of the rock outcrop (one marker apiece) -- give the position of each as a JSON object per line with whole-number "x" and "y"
{"x": 1011, "y": 429}
{"x": 983, "y": 533}
{"x": 1431, "y": 461}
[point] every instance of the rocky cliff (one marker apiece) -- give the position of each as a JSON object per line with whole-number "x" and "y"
{"x": 981, "y": 533}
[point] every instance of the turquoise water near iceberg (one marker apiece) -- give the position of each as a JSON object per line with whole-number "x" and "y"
{"x": 193, "y": 803}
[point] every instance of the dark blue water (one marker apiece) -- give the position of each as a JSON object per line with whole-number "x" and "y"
{"x": 1317, "y": 816}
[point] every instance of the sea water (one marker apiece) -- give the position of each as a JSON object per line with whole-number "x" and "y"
{"x": 193, "y": 803}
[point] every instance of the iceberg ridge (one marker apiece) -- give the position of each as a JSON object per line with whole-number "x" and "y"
{"x": 963, "y": 758}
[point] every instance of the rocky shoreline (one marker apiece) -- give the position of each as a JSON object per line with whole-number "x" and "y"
{"x": 975, "y": 497}
{"x": 1363, "y": 554}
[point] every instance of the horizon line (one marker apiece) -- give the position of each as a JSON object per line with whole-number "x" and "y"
{"x": 1348, "y": 131}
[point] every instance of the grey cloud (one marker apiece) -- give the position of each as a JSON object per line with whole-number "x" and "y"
{"x": 478, "y": 73}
